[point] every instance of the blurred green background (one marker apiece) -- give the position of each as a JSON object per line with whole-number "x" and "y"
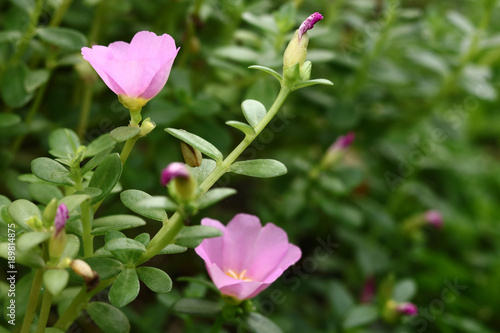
{"x": 418, "y": 83}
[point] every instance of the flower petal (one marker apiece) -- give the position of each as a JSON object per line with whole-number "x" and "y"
{"x": 159, "y": 79}
{"x": 210, "y": 249}
{"x": 233, "y": 287}
{"x": 98, "y": 56}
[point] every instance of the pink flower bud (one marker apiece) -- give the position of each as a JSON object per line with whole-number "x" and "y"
{"x": 62, "y": 215}
{"x": 308, "y": 24}
{"x": 368, "y": 290}
{"x": 343, "y": 142}
{"x": 407, "y": 308}
{"x": 172, "y": 171}
{"x": 434, "y": 218}
{"x": 248, "y": 257}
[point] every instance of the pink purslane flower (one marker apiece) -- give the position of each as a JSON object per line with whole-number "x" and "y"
{"x": 434, "y": 218}
{"x": 62, "y": 215}
{"x": 174, "y": 170}
{"x": 308, "y": 24}
{"x": 136, "y": 70}
{"x": 407, "y": 308}
{"x": 343, "y": 142}
{"x": 248, "y": 257}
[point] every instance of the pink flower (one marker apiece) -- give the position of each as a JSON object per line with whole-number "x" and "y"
{"x": 137, "y": 70}
{"x": 174, "y": 170}
{"x": 308, "y": 24}
{"x": 368, "y": 290}
{"x": 434, "y": 218}
{"x": 248, "y": 257}
{"x": 407, "y": 308}
{"x": 343, "y": 142}
{"x": 62, "y": 215}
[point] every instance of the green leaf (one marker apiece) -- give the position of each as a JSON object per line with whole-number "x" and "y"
{"x": 124, "y": 133}
{"x": 201, "y": 173}
{"x": 155, "y": 279}
{"x": 360, "y": 315}
{"x": 125, "y": 249}
{"x": 51, "y": 171}
{"x": 74, "y": 201}
{"x": 9, "y": 119}
{"x": 194, "y": 235}
{"x": 308, "y": 83}
{"x": 14, "y": 92}
{"x": 158, "y": 202}
{"x": 404, "y": 290}
{"x": 35, "y": 79}
{"x": 115, "y": 222}
{"x": 55, "y": 280}
{"x": 173, "y": 249}
{"x": 64, "y": 38}
{"x": 28, "y": 240}
{"x": 259, "y": 168}
{"x": 29, "y": 259}
{"x": 197, "y": 142}
{"x": 125, "y": 288}
{"x": 43, "y": 193}
{"x": 63, "y": 142}
{"x": 96, "y": 160}
{"x": 259, "y": 324}
{"x": 198, "y": 306}
{"x": 131, "y": 199}
{"x": 103, "y": 142}
{"x": 106, "y": 176}
{"x": 10, "y": 36}
{"x": 143, "y": 238}
{"x": 213, "y": 196}
{"x": 21, "y": 210}
{"x": 90, "y": 191}
{"x": 268, "y": 70}
{"x": 108, "y": 318}
{"x": 72, "y": 247}
{"x": 105, "y": 267}
{"x": 245, "y": 128}
{"x": 254, "y": 111}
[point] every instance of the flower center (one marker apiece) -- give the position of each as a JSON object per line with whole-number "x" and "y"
{"x": 238, "y": 276}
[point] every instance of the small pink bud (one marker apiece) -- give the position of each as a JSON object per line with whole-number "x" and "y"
{"x": 434, "y": 218}
{"x": 308, "y": 24}
{"x": 343, "y": 142}
{"x": 368, "y": 290}
{"x": 172, "y": 171}
{"x": 407, "y": 308}
{"x": 62, "y": 215}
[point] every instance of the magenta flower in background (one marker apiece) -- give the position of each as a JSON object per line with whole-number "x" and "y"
{"x": 174, "y": 170}
{"x": 368, "y": 290}
{"x": 308, "y": 24}
{"x": 62, "y": 215}
{"x": 137, "y": 70}
{"x": 343, "y": 142}
{"x": 248, "y": 257}
{"x": 434, "y": 218}
{"x": 407, "y": 308}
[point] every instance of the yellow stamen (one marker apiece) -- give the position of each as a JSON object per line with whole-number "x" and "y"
{"x": 240, "y": 276}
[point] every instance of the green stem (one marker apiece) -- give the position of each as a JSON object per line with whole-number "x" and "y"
{"x": 219, "y": 323}
{"x": 85, "y": 110}
{"x": 59, "y": 14}
{"x": 33, "y": 301}
{"x": 127, "y": 148}
{"x": 88, "y": 239}
{"x": 28, "y": 34}
{"x": 167, "y": 233}
{"x": 44, "y": 312}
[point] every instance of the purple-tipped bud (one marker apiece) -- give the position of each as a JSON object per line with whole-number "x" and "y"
{"x": 407, "y": 308}
{"x": 62, "y": 215}
{"x": 343, "y": 142}
{"x": 308, "y": 24}
{"x": 434, "y": 218}
{"x": 368, "y": 290}
{"x": 174, "y": 170}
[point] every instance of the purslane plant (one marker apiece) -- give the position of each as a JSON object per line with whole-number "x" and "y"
{"x": 80, "y": 177}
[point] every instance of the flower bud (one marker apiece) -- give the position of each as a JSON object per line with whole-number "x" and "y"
{"x": 407, "y": 309}
{"x": 337, "y": 149}
{"x": 184, "y": 185}
{"x": 305, "y": 71}
{"x": 296, "y": 51}
{"x": 192, "y": 156}
{"x": 434, "y": 218}
{"x": 147, "y": 126}
{"x": 83, "y": 269}
{"x": 57, "y": 244}
{"x": 49, "y": 213}
{"x": 35, "y": 223}
{"x": 62, "y": 216}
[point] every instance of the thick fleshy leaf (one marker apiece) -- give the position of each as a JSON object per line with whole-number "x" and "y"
{"x": 72, "y": 247}
{"x": 55, "y": 280}
{"x": 245, "y": 128}
{"x": 131, "y": 198}
{"x": 198, "y": 306}
{"x": 9, "y": 119}
{"x": 29, "y": 259}
{"x": 159, "y": 202}
{"x": 43, "y": 193}
{"x": 29, "y": 240}
{"x": 173, "y": 249}
{"x": 108, "y": 318}
{"x": 105, "y": 267}
{"x": 106, "y": 176}
{"x": 21, "y": 210}
{"x": 35, "y": 79}
{"x": 115, "y": 222}
{"x": 213, "y": 196}
{"x": 51, "y": 171}
{"x": 125, "y": 288}
{"x": 258, "y": 323}
{"x": 254, "y": 111}
{"x": 308, "y": 83}
{"x": 404, "y": 290}
{"x": 268, "y": 70}
{"x": 201, "y": 173}
{"x": 192, "y": 236}
{"x": 196, "y": 142}
{"x": 143, "y": 238}
{"x": 13, "y": 90}
{"x": 64, "y": 38}
{"x": 125, "y": 249}
{"x": 96, "y": 160}
{"x": 360, "y": 315}
{"x": 63, "y": 142}
{"x": 74, "y": 201}
{"x": 155, "y": 279}
{"x": 124, "y": 133}
{"x": 103, "y": 142}
{"x": 259, "y": 168}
